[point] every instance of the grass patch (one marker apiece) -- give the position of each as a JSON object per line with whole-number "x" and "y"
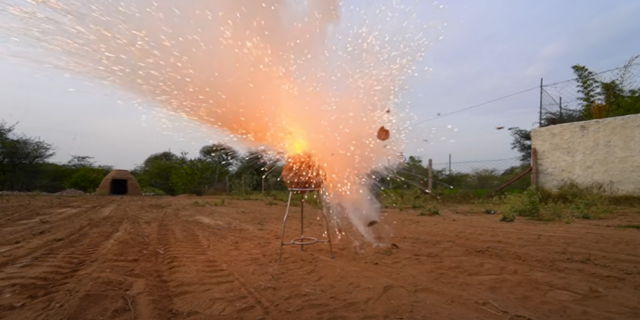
{"x": 220, "y": 203}
{"x": 431, "y": 211}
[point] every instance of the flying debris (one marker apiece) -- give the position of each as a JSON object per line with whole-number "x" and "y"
{"x": 383, "y": 134}
{"x": 499, "y": 128}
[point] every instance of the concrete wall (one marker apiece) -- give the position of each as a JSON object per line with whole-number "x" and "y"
{"x": 605, "y": 151}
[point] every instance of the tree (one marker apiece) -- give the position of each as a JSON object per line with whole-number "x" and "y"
{"x": 251, "y": 169}
{"x": 20, "y": 158}
{"x": 222, "y": 155}
{"x": 78, "y": 162}
{"x": 618, "y": 96}
{"x": 157, "y": 169}
{"x": 521, "y": 142}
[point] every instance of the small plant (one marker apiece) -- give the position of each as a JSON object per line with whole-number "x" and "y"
{"x": 212, "y": 203}
{"x": 198, "y": 204}
{"x": 589, "y": 206}
{"x": 430, "y": 211}
{"x": 507, "y": 216}
{"x": 526, "y": 204}
{"x": 554, "y": 210}
{"x": 271, "y": 203}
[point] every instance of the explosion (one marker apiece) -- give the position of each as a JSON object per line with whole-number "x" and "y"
{"x": 314, "y": 79}
{"x": 302, "y": 172}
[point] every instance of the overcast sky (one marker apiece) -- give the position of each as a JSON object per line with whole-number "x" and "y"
{"x": 490, "y": 49}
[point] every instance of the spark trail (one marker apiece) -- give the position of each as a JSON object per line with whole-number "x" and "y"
{"x": 314, "y": 76}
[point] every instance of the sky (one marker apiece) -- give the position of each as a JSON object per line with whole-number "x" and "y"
{"x": 490, "y": 49}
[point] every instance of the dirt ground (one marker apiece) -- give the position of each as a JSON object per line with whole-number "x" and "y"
{"x": 166, "y": 258}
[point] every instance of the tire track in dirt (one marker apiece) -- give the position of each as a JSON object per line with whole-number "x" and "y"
{"x": 43, "y": 277}
{"x": 201, "y": 286}
{"x": 51, "y": 236}
{"x": 298, "y": 299}
{"x": 122, "y": 282}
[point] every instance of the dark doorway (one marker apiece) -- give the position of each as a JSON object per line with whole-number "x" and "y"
{"x": 119, "y": 187}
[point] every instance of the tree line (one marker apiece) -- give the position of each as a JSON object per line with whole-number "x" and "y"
{"x": 25, "y": 165}
{"x": 218, "y": 168}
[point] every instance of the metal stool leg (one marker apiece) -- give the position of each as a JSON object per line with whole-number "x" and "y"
{"x": 302, "y": 219}
{"x": 284, "y": 221}
{"x": 326, "y": 225}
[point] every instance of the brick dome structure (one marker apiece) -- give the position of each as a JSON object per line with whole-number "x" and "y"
{"x": 119, "y": 183}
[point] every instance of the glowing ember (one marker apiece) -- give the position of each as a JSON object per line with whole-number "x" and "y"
{"x": 302, "y": 172}
{"x": 301, "y": 76}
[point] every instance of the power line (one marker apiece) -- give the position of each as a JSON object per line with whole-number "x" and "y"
{"x": 480, "y": 104}
{"x": 597, "y": 74}
{"x": 514, "y": 94}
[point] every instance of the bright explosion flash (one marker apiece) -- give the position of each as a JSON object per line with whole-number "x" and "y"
{"x": 313, "y": 77}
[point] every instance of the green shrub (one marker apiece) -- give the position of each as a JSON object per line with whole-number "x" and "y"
{"x": 507, "y": 217}
{"x": 86, "y": 179}
{"x": 584, "y": 203}
{"x": 430, "y": 211}
{"x": 526, "y": 204}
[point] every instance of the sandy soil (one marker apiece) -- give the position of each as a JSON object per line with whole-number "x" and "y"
{"x": 164, "y": 258}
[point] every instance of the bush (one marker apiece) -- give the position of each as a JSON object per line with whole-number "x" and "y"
{"x": 569, "y": 203}
{"x": 430, "y": 211}
{"x": 507, "y": 217}
{"x": 584, "y": 203}
{"x": 526, "y": 204}
{"x": 86, "y": 179}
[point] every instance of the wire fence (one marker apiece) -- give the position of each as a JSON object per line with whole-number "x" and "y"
{"x": 479, "y": 177}
{"x": 498, "y": 166}
{"x": 562, "y": 102}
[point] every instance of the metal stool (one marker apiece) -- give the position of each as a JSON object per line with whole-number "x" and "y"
{"x": 302, "y": 240}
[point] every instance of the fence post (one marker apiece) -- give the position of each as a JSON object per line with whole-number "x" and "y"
{"x": 561, "y": 117}
{"x": 228, "y": 190}
{"x": 534, "y": 167}
{"x": 430, "y": 186}
{"x": 541, "y": 90}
